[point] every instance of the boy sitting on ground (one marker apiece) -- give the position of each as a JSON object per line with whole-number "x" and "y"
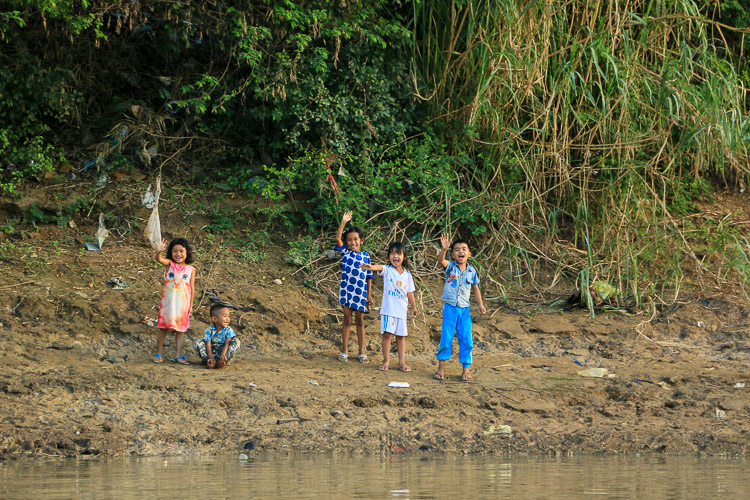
{"x": 219, "y": 342}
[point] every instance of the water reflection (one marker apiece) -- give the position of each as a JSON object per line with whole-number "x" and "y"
{"x": 407, "y": 476}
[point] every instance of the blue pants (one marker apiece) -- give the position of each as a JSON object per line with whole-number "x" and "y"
{"x": 456, "y": 320}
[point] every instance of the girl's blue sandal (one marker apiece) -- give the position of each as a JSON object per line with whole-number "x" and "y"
{"x": 181, "y": 359}
{"x": 157, "y": 358}
{"x": 343, "y": 357}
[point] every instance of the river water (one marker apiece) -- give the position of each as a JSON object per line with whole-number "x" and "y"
{"x": 401, "y": 476}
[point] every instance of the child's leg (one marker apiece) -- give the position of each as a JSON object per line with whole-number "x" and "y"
{"x": 160, "y": 337}
{"x": 345, "y": 329}
{"x": 386, "y": 351}
{"x": 200, "y": 349}
{"x": 465, "y": 342}
{"x": 234, "y": 344}
{"x": 179, "y": 338}
{"x": 401, "y": 348}
{"x": 359, "y": 320}
{"x": 448, "y": 331}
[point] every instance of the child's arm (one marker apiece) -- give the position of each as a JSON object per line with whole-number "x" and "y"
{"x": 160, "y": 248}
{"x": 412, "y": 303}
{"x": 346, "y": 218}
{"x": 192, "y": 291}
{"x": 226, "y": 345}
{"x": 208, "y": 349}
{"x": 478, "y": 297}
{"x": 371, "y": 267}
{"x": 445, "y": 245}
{"x": 369, "y": 293}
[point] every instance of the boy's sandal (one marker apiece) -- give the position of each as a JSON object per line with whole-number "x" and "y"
{"x": 181, "y": 359}
{"x": 439, "y": 376}
{"x": 343, "y": 357}
{"x": 157, "y": 358}
{"x": 363, "y": 359}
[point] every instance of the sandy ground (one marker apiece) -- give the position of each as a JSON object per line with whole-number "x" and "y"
{"x": 77, "y": 374}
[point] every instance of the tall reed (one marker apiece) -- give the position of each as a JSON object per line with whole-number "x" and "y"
{"x": 608, "y": 113}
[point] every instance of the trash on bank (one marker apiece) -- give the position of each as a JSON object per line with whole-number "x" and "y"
{"x": 312, "y": 382}
{"x": 497, "y": 429}
{"x": 117, "y": 283}
{"x": 101, "y": 235}
{"x": 398, "y": 384}
{"x": 594, "y": 372}
{"x": 153, "y": 226}
{"x": 739, "y": 385}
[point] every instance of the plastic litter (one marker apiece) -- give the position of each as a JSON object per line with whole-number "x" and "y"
{"x": 604, "y": 289}
{"x": 312, "y": 382}
{"x": 398, "y": 384}
{"x": 594, "y": 372}
{"x": 739, "y": 385}
{"x": 153, "y": 228}
{"x": 101, "y": 235}
{"x": 117, "y": 283}
{"x": 498, "y": 429}
{"x": 577, "y": 362}
{"x": 148, "y": 199}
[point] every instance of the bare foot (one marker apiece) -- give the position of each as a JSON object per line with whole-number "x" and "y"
{"x": 466, "y": 374}
{"x": 404, "y": 368}
{"x": 383, "y": 368}
{"x": 221, "y": 364}
{"x": 439, "y": 376}
{"x": 211, "y": 362}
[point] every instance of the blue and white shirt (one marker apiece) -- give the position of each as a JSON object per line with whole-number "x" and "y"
{"x": 457, "y": 290}
{"x": 353, "y": 290}
{"x": 219, "y": 337}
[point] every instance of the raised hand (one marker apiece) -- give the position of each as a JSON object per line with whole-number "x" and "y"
{"x": 347, "y": 217}
{"x": 445, "y": 241}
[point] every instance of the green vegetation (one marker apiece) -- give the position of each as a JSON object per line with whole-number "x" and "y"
{"x": 576, "y": 140}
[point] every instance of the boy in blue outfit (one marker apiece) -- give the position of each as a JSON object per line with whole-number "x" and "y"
{"x": 460, "y": 279}
{"x": 219, "y": 342}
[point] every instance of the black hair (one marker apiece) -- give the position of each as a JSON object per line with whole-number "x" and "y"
{"x": 460, "y": 241}
{"x": 214, "y": 311}
{"x": 399, "y": 247}
{"x": 354, "y": 229}
{"x": 183, "y": 242}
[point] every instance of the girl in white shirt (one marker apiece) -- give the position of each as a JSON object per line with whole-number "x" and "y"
{"x": 398, "y": 295}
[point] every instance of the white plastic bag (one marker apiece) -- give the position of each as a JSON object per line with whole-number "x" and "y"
{"x": 153, "y": 228}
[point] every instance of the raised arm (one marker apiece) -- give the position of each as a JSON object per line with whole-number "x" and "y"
{"x": 346, "y": 218}
{"x": 160, "y": 248}
{"x": 478, "y": 297}
{"x": 445, "y": 245}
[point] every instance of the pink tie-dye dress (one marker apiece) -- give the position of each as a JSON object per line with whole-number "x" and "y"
{"x": 174, "y": 312}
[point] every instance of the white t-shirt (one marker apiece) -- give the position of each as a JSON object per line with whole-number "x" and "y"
{"x": 395, "y": 288}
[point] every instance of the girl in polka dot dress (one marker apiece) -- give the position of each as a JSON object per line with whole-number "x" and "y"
{"x": 354, "y": 293}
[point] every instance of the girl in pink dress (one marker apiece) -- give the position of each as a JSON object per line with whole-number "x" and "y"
{"x": 177, "y": 298}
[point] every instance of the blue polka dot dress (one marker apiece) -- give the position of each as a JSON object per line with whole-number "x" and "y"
{"x": 353, "y": 290}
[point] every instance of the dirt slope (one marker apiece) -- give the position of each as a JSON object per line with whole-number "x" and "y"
{"x": 78, "y": 377}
